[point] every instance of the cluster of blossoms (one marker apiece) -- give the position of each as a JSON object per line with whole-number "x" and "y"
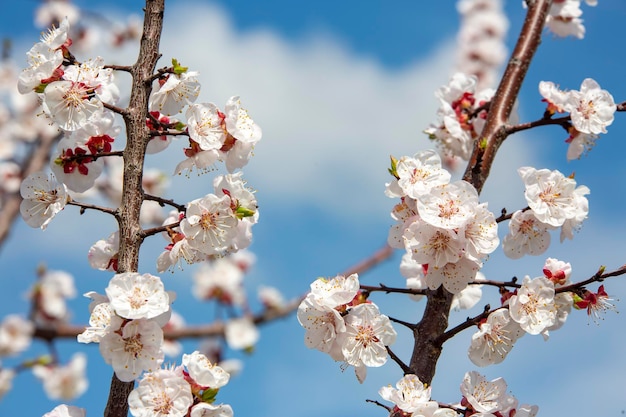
{"x": 48, "y": 297}
{"x": 213, "y": 225}
{"x": 481, "y": 44}
{"x": 228, "y": 135}
{"x": 21, "y": 127}
{"x": 72, "y": 96}
{"x": 461, "y": 116}
{"x": 177, "y": 391}
{"x": 537, "y": 307}
{"x": 591, "y": 110}
{"x": 411, "y": 398}
{"x": 127, "y": 322}
{"x": 339, "y": 321}
{"x": 564, "y": 18}
{"x": 554, "y": 201}
{"x": 180, "y": 392}
{"x": 77, "y": 97}
{"x": 440, "y": 224}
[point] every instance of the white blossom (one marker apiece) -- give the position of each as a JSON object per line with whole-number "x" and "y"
{"x": 241, "y": 333}
{"x": 51, "y": 292}
{"x": 136, "y": 349}
{"x": 222, "y": 280}
{"x": 534, "y": 306}
{"x": 64, "y": 382}
{"x": 92, "y": 73}
{"x": 448, "y": 206}
{"x": 239, "y": 124}
{"x": 99, "y": 322}
{"x": 527, "y": 235}
{"x": 204, "y": 122}
{"x": 210, "y": 224}
{"x": 417, "y": 175}
{"x": 6, "y": 381}
{"x": 432, "y": 245}
{"x": 70, "y": 104}
{"x": 211, "y": 410}
{"x": 322, "y": 324}
{"x": 64, "y": 410}
{"x": 336, "y": 291}
{"x": 550, "y": 195}
{"x": 203, "y": 372}
{"x": 15, "y": 334}
{"x": 453, "y": 276}
{"x": 485, "y": 397}
{"x": 103, "y": 254}
{"x": 135, "y": 296}
{"x": 162, "y": 393}
{"x": 494, "y": 339}
{"x": 43, "y": 197}
{"x": 367, "y": 334}
{"x": 410, "y": 395}
{"x": 177, "y": 91}
{"x": 43, "y": 61}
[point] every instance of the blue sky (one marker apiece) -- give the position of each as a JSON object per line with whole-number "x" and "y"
{"x": 337, "y": 87}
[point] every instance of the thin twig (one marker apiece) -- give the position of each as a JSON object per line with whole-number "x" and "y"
{"x": 507, "y": 216}
{"x": 405, "y": 368}
{"x": 403, "y": 323}
{"x": 85, "y": 206}
{"x": 389, "y": 290}
{"x": 164, "y": 201}
{"x": 469, "y": 322}
{"x": 597, "y": 277}
{"x": 564, "y": 122}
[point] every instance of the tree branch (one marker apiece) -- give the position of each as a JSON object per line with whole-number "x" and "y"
{"x": 429, "y": 331}
{"x": 134, "y": 154}
{"x": 85, "y": 206}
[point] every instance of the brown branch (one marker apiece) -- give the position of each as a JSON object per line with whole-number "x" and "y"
{"x": 405, "y": 368}
{"x": 163, "y": 201}
{"x": 388, "y": 290}
{"x": 494, "y": 133}
{"x": 124, "y": 68}
{"x": 216, "y": 329}
{"x": 507, "y": 216}
{"x": 430, "y": 330}
{"x": 115, "y": 109}
{"x": 137, "y": 134}
{"x": 564, "y": 122}
{"x": 159, "y": 229}
{"x": 500, "y": 284}
{"x": 403, "y": 323}
{"x": 157, "y": 133}
{"x": 597, "y": 277}
{"x": 469, "y": 322}
{"x": 386, "y": 407}
{"x": 86, "y": 206}
{"x": 90, "y": 157}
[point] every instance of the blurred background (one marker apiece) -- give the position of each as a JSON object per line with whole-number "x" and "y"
{"x": 337, "y": 88}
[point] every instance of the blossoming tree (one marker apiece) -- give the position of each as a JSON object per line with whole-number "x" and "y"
{"x": 444, "y": 230}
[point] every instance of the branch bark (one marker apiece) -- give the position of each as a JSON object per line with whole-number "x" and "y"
{"x": 137, "y": 134}
{"x": 428, "y": 340}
